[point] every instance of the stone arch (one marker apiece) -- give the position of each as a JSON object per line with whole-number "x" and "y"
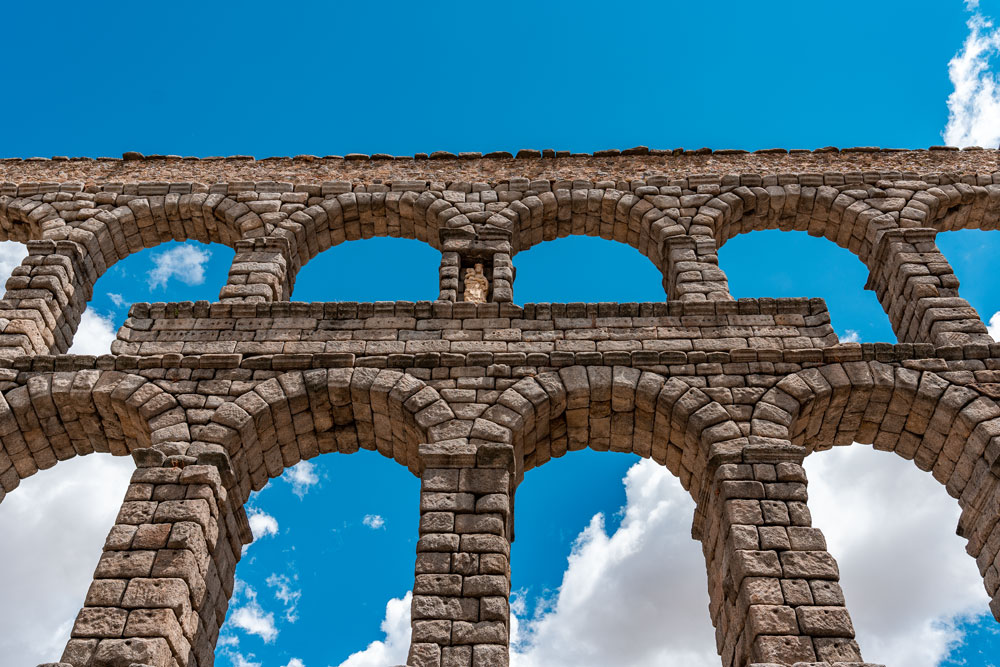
{"x": 51, "y": 417}
{"x": 129, "y": 224}
{"x": 642, "y": 221}
{"x": 50, "y": 290}
{"x": 890, "y": 226}
{"x": 23, "y": 219}
{"x": 618, "y": 408}
{"x": 851, "y": 215}
{"x": 301, "y": 414}
{"x": 962, "y": 206}
{"x": 950, "y": 429}
{"x": 353, "y": 216}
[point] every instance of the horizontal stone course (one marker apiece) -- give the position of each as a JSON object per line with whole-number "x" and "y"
{"x": 213, "y": 400}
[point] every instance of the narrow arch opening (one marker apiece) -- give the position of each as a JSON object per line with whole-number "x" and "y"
{"x": 170, "y": 272}
{"x": 774, "y": 263}
{"x": 612, "y": 564}
{"x": 54, "y": 526}
{"x": 369, "y": 270}
{"x": 332, "y": 556}
{"x": 915, "y": 596}
{"x": 585, "y": 269}
{"x": 972, "y": 254}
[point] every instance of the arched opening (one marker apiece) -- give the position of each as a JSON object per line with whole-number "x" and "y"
{"x": 604, "y": 562}
{"x": 376, "y": 269}
{"x": 335, "y": 542}
{"x": 11, "y": 254}
{"x": 945, "y": 428}
{"x": 169, "y": 272}
{"x": 53, "y": 529}
{"x": 915, "y": 596}
{"x": 585, "y": 269}
{"x": 774, "y": 263}
{"x": 972, "y": 254}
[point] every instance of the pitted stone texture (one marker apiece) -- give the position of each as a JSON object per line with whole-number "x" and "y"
{"x": 214, "y": 399}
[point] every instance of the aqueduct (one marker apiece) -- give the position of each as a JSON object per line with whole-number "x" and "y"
{"x": 213, "y": 399}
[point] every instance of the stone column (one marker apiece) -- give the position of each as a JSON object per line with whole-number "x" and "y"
{"x": 775, "y": 596}
{"x": 919, "y": 291}
{"x": 46, "y": 296}
{"x": 448, "y": 276}
{"x": 262, "y": 271}
{"x": 692, "y": 270}
{"x": 163, "y": 583}
{"x": 461, "y": 611}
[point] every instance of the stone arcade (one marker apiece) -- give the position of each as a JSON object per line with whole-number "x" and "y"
{"x": 214, "y": 399}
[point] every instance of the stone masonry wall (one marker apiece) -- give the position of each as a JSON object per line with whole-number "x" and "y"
{"x": 212, "y": 400}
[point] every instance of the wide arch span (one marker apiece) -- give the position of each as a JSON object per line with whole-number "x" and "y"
{"x": 614, "y": 409}
{"x": 301, "y": 414}
{"x": 951, "y": 430}
{"x": 52, "y": 417}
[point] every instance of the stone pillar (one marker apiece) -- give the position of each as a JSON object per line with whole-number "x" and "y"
{"x": 261, "y": 272}
{"x": 448, "y": 276}
{"x": 775, "y": 596}
{"x": 919, "y": 291}
{"x": 692, "y": 270}
{"x": 163, "y": 583}
{"x": 461, "y": 610}
{"x": 46, "y": 296}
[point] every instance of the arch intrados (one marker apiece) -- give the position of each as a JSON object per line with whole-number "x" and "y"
{"x": 918, "y": 414}
{"x": 143, "y": 223}
{"x": 553, "y": 413}
{"x": 20, "y": 218}
{"x": 338, "y": 219}
{"x": 56, "y": 416}
{"x": 298, "y": 415}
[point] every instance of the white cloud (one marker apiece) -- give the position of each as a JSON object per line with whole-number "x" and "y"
{"x": 974, "y": 106}
{"x": 994, "y": 326}
{"x": 185, "y": 262}
{"x": 286, "y": 595}
{"x": 50, "y": 546}
{"x": 251, "y": 617}
{"x": 301, "y": 476}
{"x": 95, "y": 334}
{"x": 295, "y": 662}
{"x": 237, "y": 659}
{"x": 11, "y": 255}
{"x": 394, "y": 648}
{"x": 373, "y": 521}
{"x": 116, "y": 299}
{"x": 850, "y": 336}
{"x": 905, "y": 573}
{"x": 621, "y": 590}
{"x": 262, "y": 524}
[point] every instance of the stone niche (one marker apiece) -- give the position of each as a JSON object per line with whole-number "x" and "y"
{"x": 463, "y": 259}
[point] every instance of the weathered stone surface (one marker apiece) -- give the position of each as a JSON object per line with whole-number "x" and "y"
{"x": 472, "y": 392}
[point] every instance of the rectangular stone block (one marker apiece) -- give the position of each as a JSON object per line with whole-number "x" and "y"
{"x": 825, "y": 621}
{"x": 100, "y": 622}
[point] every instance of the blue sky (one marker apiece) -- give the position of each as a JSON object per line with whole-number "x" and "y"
{"x": 333, "y": 562}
